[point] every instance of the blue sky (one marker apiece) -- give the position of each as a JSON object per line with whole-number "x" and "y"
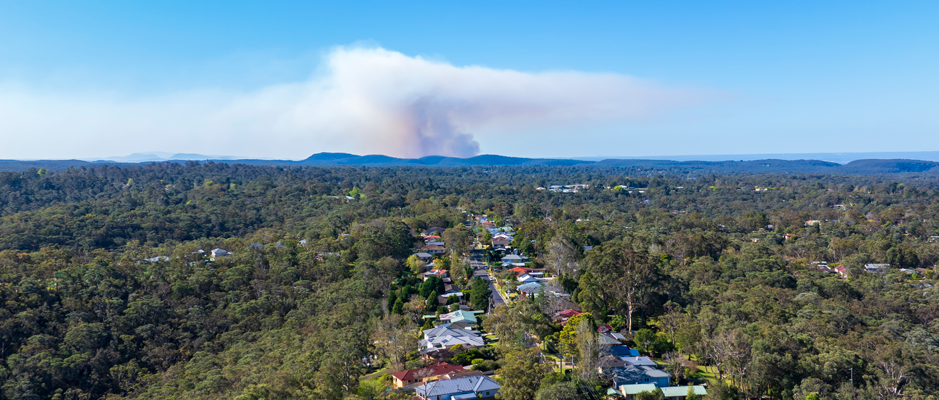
{"x": 776, "y": 78}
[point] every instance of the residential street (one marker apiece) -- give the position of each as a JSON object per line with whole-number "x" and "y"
{"x": 480, "y": 271}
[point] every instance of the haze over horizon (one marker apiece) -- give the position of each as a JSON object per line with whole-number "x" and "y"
{"x": 842, "y": 158}
{"x": 284, "y": 81}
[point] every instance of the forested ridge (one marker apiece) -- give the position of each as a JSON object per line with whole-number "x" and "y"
{"x": 106, "y": 295}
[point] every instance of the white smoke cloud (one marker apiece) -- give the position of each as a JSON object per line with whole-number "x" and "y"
{"x": 366, "y": 100}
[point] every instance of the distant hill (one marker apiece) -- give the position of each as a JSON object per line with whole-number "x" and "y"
{"x": 161, "y": 156}
{"x": 841, "y": 158}
{"x": 53, "y": 165}
{"x": 890, "y": 166}
{"x": 768, "y": 166}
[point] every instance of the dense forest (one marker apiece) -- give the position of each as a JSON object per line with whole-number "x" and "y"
{"x": 109, "y": 288}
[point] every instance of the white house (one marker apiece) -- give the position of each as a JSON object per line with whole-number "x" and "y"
{"x": 220, "y": 253}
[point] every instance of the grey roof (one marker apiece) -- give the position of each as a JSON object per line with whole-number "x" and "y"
{"x": 655, "y": 373}
{"x": 443, "y": 337}
{"x": 530, "y": 287}
{"x": 640, "y": 361}
{"x": 469, "y": 384}
{"x": 607, "y": 340}
{"x": 632, "y": 375}
{"x": 442, "y": 331}
{"x": 511, "y": 257}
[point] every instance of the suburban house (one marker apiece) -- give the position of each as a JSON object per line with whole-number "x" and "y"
{"x": 470, "y": 387}
{"x": 459, "y": 319}
{"x": 842, "y": 271}
{"x": 529, "y": 288}
{"x": 630, "y": 391}
{"x": 500, "y": 242}
{"x": 432, "y": 231}
{"x": 425, "y": 257}
{"x": 876, "y": 268}
{"x": 567, "y": 188}
{"x": 220, "y": 253}
{"x": 824, "y": 269}
{"x": 449, "y": 293}
{"x": 631, "y": 375}
{"x": 605, "y": 339}
{"x": 519, "y": 271}
{"x": 609, "y": 363}
{"x": 416, "y": 375}
{"x": 621, "y": 351}
{"x": 669, "y": 392}
{"x": 513, "y": 260}
{"x": 434, "y": 249}
{"x": 440, "y": 273}
{"x": 526, "y": 279}
{"x": 442, "y": 338}
{"x": 640, "y": 361}
{"x": 680, "y": 392}
{"x": 561, "y": 317}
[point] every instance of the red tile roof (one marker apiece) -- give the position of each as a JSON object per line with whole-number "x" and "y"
{"x": 428, "y": 371}
{"x": 566, "y": 314}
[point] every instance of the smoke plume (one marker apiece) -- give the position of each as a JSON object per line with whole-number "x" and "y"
{"x": 364, "y": 100}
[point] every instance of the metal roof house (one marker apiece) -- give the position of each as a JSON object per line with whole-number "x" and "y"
{"x": 471, "y": 387}
{"x": 441, "y": 338}
{"x": 621, "y": 350}
{"x": 220, "y": 253}
{"x": 640, "y": 361}
{"x": 876, "y": 268}
{"x": 668, "y": 393}
{"x": 530, "y": 288}
{"x": 459, "y": 319}
{"x": 527, "y": 279}
{"x": 680, "y": 392}
{"x": 630, "y": 391}
{"x": 631, "y": 375}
